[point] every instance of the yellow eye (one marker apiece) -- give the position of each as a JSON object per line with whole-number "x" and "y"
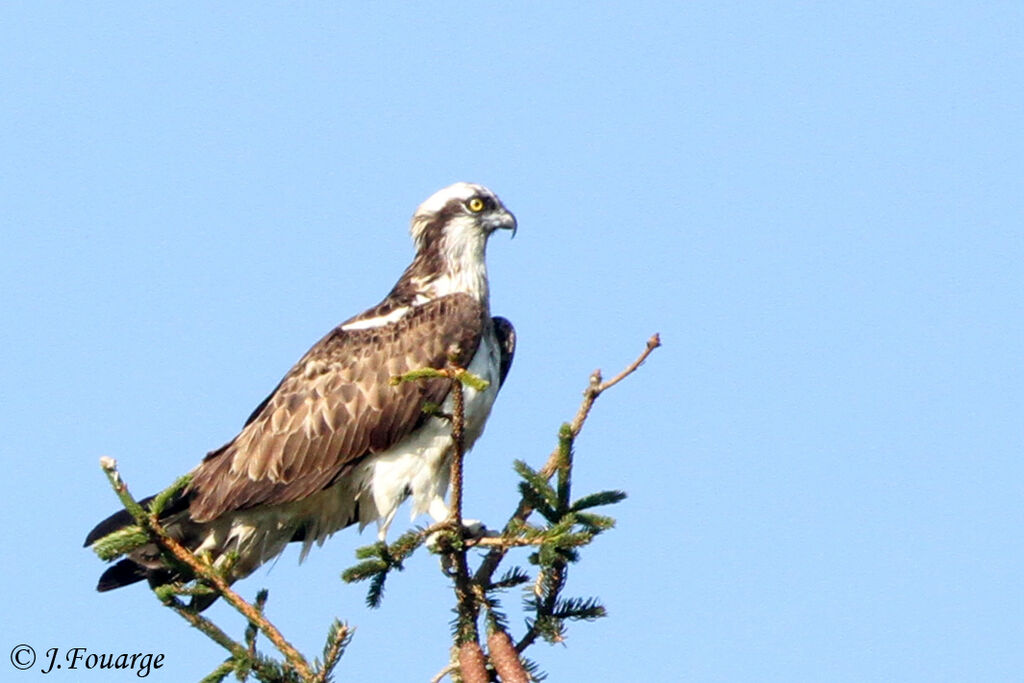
{"x": 476, "y": 205}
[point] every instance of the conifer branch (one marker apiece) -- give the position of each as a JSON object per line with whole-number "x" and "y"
{"x": 567, "y": 529}
{"x": 211, "y": 576}
{"x": 458, "y": 445}
{"x": 203, "y": 572}
{"x": 221, "y": 672}
{"x": 379, "y": 560}
{"x": 466, "y": 606}
{"x": 338, "y": 637}
{"x": 567, "y": 526}
{"x": 241, "y": 656}
{"x": 594, "y": 389}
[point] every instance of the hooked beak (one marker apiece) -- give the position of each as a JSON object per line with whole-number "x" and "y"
{"x": 503, "y": 220}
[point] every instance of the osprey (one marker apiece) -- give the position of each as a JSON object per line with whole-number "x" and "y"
{"x": 335, "y": 443}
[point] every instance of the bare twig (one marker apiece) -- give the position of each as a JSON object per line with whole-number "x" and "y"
{"x": 439, "y": 676}
{"x": 502, "y": 542}
{"x": 596, "y": 387}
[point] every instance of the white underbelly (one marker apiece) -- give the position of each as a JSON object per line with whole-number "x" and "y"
{"x": 418, "y": 466}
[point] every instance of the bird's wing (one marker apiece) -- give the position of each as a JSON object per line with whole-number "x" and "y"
{"x": 506, "y": 336}
{"x": 336, "y": 406}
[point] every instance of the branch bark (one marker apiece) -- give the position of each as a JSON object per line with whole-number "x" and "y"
{"x": 203, "y": 571}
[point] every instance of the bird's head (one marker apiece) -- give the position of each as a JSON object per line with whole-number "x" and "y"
{"x": 458, "y": 213}
{"x": 450, "y": 230}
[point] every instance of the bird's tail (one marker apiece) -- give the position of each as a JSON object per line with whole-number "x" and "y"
{"x": 131, "y": 570}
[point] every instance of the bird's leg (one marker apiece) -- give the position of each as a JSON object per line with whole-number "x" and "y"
{"x": 438, "y": 509}
{"x": 383, "y": 524}
{"x": 441, "y": 513}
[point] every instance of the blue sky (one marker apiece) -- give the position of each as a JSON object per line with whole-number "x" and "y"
{"x": 818, "y": 206}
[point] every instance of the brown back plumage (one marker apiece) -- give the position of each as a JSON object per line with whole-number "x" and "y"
{"x": 335, "y": 406}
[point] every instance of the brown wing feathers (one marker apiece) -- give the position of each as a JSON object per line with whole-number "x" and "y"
{"x": 336, "y": 406}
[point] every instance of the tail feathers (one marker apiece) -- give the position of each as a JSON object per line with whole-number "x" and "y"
{"x": 122, "y": 518}
{"x": 118, "y": 520}
{"x": 128, "y": 571}
{"x": 124, "y": 573}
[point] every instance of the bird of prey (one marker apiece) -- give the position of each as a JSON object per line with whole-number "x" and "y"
{"x": 335, "y": 444}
